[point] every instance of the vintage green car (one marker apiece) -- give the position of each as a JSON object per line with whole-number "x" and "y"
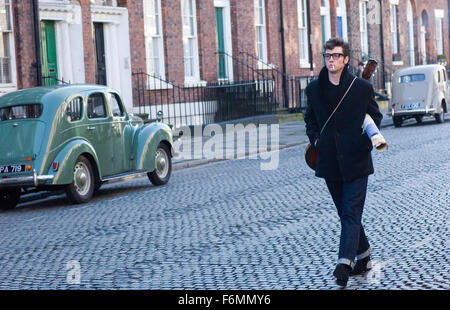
{"x": 75, "y": 137}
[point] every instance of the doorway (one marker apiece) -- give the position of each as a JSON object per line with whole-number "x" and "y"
{"x": 99, "y": 49}
{"x": 48, "y": 58}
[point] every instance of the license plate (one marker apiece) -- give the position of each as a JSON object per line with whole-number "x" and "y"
{"x": 410, "y": 106}
{"x": 12, "y": 169}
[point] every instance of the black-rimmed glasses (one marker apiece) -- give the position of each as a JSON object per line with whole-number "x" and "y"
{"x": 335, "y": 56}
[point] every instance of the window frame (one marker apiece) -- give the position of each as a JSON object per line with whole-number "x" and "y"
{"x": 11, "y": 81}
{"x": 192, "y": 36}
{"x": 263, "y": 27}
{"x": 303, "y": 32}
{"x": 119, "y": 104}
{"x": 81, "y": 108}
{"x": 159, "y": 36}
{"x": 393, "y": 9}
{"x": 363, "y": 28}
{"x": 105, "y": 106}
{"x": 439, "y": 36}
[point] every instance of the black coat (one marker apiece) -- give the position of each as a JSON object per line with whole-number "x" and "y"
{"x": 344, "y": 150}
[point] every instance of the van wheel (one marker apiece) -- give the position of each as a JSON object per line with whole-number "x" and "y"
{"x": 82, "y": 187}
{"x": 9, "y": 198}
{"x": 398, "y": 120}
{"x": 163, "y": 166}
{"x": 440, "y": 118}
{"x": 419, "y": 119}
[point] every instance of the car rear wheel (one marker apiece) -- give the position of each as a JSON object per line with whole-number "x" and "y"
{"x": 398, "y": 120}
{"x": 9, "y": 198}
{"x": 82, "y": 187}
{"x": 163, "y": 166}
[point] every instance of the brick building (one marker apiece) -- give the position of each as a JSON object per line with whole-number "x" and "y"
{"x": 176, "y": 41}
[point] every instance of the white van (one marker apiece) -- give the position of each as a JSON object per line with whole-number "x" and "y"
{"x": 419, "y": 91}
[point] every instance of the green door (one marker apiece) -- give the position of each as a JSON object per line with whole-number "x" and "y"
{"x": 48, "y": 45}
{"x": 221, "y": 67}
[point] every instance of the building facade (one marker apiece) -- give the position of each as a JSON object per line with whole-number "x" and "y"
{"x": 187, "y": 43}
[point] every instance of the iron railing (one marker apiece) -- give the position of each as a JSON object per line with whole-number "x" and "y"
{"x": 51, "y": 80}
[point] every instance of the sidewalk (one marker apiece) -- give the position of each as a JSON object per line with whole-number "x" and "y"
{"x": 292, "y": 132}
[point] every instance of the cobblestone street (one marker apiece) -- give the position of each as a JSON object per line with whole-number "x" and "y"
{"x": 229, "y": 225}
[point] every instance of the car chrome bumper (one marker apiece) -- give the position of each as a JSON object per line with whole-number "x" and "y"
{"x": 28, "y": 180}
{"x": 411, "y": 112}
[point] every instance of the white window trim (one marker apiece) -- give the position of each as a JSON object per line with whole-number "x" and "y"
{"x": 264, "y": 57}
{"x": 191, "y": 81}
{"x": 439, "y": 39}
{"x": 364, "y": 32}
{"x": 153, "y": 83}
{"x": 410, "y": 20}
{"x": 341, "y": 11}
{"x": 304, "y": 57}
{"x": 12, "y": 86}
{"x": 394, "y": 29}
{"x": 325, "y": 11}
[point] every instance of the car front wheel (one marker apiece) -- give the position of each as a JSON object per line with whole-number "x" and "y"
{"x": 441, "y": 116}
{"x": 82, "y": 187}
{"x": 163, "y": 166}
{"x": 9, "y": 198}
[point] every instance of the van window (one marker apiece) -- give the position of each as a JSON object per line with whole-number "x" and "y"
{"x": 445, "y": 76}
{"x": 73, "y": 109}
{"x": 23, "y": 111}
{"x": 412, "y": 78}
{"x": 96, "y": 106}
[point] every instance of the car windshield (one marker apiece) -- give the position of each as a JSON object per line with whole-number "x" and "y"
{"x": 412, "y": 78}
{"x": 21, "y": 112}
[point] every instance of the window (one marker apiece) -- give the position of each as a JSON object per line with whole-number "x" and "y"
{"x": 439, "y": 42}
{"x": 261, "y": 36}
{"x": 190, "y": 43}
{"x": 303, "y": 32}
{"x": 5, "y": 42}
{"x": 363, "y": 28}
{"x": 74, "y": 108}
{"x": 116, "y": 107}
{"x": 412, "y": 78}
{"x": 23, "y": 111}
{"x": 104, "y": 2}
{"x": 96, "y": 106}
{"x": 341, "y": 12}
{"x": 394, "y": 33}
{"x": 154, "y": 45}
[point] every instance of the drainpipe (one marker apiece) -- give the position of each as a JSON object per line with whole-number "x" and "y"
{"x": 310, "y": 39}
{"x": 37, "y": 42}
{"x": 283, "y": 57}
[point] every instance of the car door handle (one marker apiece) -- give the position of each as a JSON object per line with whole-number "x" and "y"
{"x": 91, "y": 128}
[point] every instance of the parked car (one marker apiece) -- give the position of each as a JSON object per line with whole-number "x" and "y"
{"x": 75, "y": 137}
{"x": 420, "y": 91}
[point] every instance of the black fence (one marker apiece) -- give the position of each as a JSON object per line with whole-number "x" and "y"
{"x": 201, "y": 104}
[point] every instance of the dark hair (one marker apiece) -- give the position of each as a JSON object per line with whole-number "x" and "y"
{"x": 333, "y": 42}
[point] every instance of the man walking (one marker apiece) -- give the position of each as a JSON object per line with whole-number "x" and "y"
{"x": 344, "y": 159}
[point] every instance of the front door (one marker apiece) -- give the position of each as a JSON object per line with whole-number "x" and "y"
{"x": 221, "y": 64}
{"x": 48, "y": 45}
{"x": 100, "y": 62}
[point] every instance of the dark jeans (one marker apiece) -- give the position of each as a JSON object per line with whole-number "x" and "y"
{"x": 349, "y": 199}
